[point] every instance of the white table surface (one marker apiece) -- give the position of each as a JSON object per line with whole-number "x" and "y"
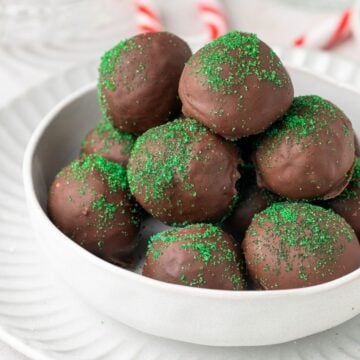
{"x": 275, "y": 22}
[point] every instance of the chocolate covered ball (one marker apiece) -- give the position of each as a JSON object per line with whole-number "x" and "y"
{"x": 252, "y": 201}
{"x": 198, "y": 255}
{"x": 111, "y": 144}
{"x": 236, "y": 86}
{"x": 348, "y": 203}
{"x": 89, "y": 201}
{"x": 309, "y": 153}
{"x": 138, "y": 82}
{"x": 182, "y": 173}
{"x": 294, "y": 245}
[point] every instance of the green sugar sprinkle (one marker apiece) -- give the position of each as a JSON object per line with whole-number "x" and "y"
{"x": 352, "y": 191}
{"x": 112, "y": 173}
{"x": 208, "y": 244}
{"x": 110, "y": 137}
{"x": 310, "y": 230}
{"x": 163, "y": 155}
{"x": 356, "y": 175}
{"x": 84, "y": 175}
{"x": 108, "y": 209}
{"x": 169, "y": 236}
{"x": 106, "y": 128}
{"x": 304, "y": 225}
{"x": 232, "y": 59}
{"x": 106, "y": 214}
{"x": 198, "y": 241}
{"x": 288, "y": 215}
{"x": 110, "y": 60}
{"x": 307, "y": 116}
{"x": 109, "y": 76}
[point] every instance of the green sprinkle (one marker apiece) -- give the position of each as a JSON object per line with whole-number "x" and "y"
{"x": 352, "y": 191}
{"x": 209, "y": 246}
{"x": 115, "y": 136}
{"x": 356, "y": 174}
{"x": 165, "y": 152}
{"x": 236, "y": 280}
{"x": 108, "y": 209}
{"x": 160, "y": 161}
{"x": 232, "y": 59}
{"x": 109, "y": 74}
{"x": 110, "y": 60}
{"x": 209, "y": 231}
{"x": 303, "y": 229}
{"x": 161, "y": 158}
{"x": 289, "y": 215}
{"x": 303, "y": 225}
{"x": 113, "y": 174}
{"x": 108, "y": 137}
{"x": 97, "y": 180}
{"x": 307, "y": 116}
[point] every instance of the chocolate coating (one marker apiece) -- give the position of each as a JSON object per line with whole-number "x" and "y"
{"x": 111, "y": 144}
{"x": 138, "y": 83}
{"x": 182, "y": 173}
{"x": 294, "y": 245}
{"x": 309, "y": 153}
{"x": 253, "y": 200}
{"x": 357, "y": 146}
{"x": 198, "y": 255}
{"x": 89, "y": 201}
{"x": 348, "y": 203}
{"x": 236, "y": 86}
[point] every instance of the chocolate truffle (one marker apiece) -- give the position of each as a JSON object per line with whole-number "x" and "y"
{"x": 182, "y": 173}
{"x": 252, "y": 201}
{"x": 348, "y": 203}
{"x": 357, "y": 146}
{"x": 236, "y": 86}
{"x": 89, "y": 201}
{"x": 294, "y": 245}
{"x": 309, "y": 153}
{"x": 111, "y": 144}
{"x": 198, "y": 255}
{"x": 138, "y": 82}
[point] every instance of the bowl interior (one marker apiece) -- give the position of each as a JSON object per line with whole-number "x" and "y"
{"x": 61, "y": 139}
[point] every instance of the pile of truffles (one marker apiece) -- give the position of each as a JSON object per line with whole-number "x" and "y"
{"x": 261, "y": 189}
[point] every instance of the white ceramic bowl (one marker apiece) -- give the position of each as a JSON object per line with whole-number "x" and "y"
{"x": 209, "y": 317}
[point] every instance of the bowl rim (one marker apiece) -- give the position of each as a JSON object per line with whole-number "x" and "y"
{"x": 34, "y": 205}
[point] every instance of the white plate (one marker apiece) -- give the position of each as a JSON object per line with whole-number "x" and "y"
{"x": 41, "y": 317}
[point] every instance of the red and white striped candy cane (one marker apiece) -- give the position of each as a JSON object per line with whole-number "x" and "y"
{"x": 147, "y": 16}
{"x": 329, "y": 33}
{"x": 214, "y": 17}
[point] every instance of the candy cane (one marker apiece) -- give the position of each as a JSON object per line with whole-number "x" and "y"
{"x": 329, "y": 33}
{"x": 147, "y": 16}
{"x": 213, "y": 16}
